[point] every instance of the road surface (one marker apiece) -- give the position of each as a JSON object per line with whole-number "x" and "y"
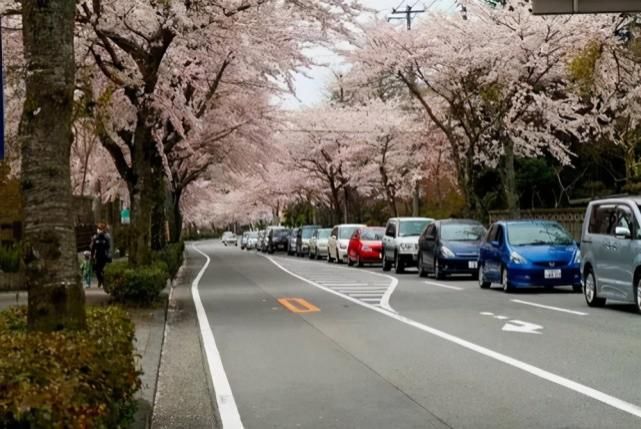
{"x": 296, "y": 343}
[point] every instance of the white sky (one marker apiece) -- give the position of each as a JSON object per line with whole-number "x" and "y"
{"x": 312, "y": 89}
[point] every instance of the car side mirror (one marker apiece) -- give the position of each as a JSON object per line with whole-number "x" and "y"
{"x": 622, "y": 232}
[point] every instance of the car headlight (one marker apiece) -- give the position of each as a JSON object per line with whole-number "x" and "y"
{"x": 408, "y": 246}
{"x": 577, "y": 257}
{"x": 447, "y": 253}
{"x": 515, "y": 258}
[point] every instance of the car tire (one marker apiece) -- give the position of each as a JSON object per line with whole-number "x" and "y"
{"x": 399, "y": 266}
{"x": 387, "y": 265}
{"x": 422, "y": 272}
{"x": 350, "y": 263}
{"x": 359, "y": 263}
{"x": 438, "y": 274}
{"x": 590, "y": 291}
{"x": 505, "y": 282}
{"x": 481, "y": 277}
{"x": 637, "y": 296}
{"x": 311, "y": 255}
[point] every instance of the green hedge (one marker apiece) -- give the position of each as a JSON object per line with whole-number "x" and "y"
{"x": 10, "y": 259}
{"x": 139, "y": 285}
{"x": 68, "y": 379}
{"x": 173, "y": 256}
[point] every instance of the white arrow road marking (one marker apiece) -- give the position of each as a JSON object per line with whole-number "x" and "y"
{"x": 522, "y": 327}
{"x": 582, "y": 389}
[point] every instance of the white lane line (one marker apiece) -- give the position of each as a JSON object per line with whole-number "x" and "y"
{"x": 229, "y": 415}
{"x": 343, "y": 284}
{"x": 582, "y": 389}
{"x": 443, "y": 286}
{"x": 549, "y": 307}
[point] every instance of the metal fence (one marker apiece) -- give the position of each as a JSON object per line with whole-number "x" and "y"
{"x": 570, "y": 218}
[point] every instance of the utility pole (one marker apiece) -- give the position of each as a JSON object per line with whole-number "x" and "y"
{"x": 409, "y": 14}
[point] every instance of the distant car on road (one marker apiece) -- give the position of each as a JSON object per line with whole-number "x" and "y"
{"x": 229, "y": 239}
{"x": 366, "y": 246}
{"x": 302, "y": 239}
{"x": 339, "y": 240}
{"x": 450, "y": 247}
{"x": 611, "y": 252}
{"x": 291, "y": 245}
{"x": 318, "y": 243}
{"x": 243, "y": 240}
{"x": 252, "y": 240}
{"x": 528, "y": 253}
{"x": 400, "y": 243}
{"x": 277, "y": 239}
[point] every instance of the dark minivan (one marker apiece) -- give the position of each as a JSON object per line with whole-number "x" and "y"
{"x": 450, "y": 247}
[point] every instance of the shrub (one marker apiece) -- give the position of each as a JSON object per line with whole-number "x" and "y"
{"x": 173, "y": 256}
{"x": 10, "y": 259}
{"x": 135, "y": 285}
{"x": 84, "y": 379}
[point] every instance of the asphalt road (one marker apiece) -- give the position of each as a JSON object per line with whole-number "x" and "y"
{"x": 359, "y": 348}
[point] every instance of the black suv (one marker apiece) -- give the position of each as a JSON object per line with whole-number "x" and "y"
{"x": 277, "y": 239}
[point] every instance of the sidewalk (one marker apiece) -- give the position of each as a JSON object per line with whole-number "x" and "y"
{"x": 184, "y": 398}
{"x": 150, "y": 327}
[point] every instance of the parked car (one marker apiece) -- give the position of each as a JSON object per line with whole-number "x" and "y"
{"x": 302, "y": 239}
{"x": 400, "y": 242}
{"x": 339, "y": 240}
{"x": 252, "y": 240}
{"x": 450, "y": 247}
{"x": 229, "y": 239}
{"x": 611, "y": 252}
{"x": 261, "y": 240}
{"x": 366, "y": 246}
{"x": 527, "y": 253}
{"x": 291, "y": 245}
{"x": 277, "y": 239}
{"x": 243, "y": 240}
{"x": 318, "y": 243}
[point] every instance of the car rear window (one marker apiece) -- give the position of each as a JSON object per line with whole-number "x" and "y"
{"x": 324, "y": 233}
{"x": 308, "y": 232}
{"x": 410, "y": 228}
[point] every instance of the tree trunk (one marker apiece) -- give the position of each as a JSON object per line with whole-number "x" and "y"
{"x": 508, "y": 177}
{"x": 56, "y": 296}
{"x": 416, "y": 200}
{"x": 158, "y": 215}
{"x": 176, "y": 218}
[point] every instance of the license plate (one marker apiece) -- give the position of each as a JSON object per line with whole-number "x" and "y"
{"x": 472, "y": 265}
{"x": 553, "y": 274}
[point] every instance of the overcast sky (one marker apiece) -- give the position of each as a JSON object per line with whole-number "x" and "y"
{"x": 312, "y": 90}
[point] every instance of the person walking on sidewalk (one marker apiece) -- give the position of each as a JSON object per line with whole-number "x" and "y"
{"x": 86, "y": 268}
{"x": 100, "y": 253}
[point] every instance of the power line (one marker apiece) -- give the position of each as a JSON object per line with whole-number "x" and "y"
{"x": 408, "y": 15}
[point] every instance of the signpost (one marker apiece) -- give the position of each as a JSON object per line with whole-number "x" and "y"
{"x": 551, "y": 7}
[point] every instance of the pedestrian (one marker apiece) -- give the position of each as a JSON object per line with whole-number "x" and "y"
{"x": 86, "y": 268}
{"x": 100, "y": 253}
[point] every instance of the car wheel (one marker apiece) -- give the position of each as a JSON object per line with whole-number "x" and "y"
{"x": 422, "y": 272}
{"x": 399, "y": 267}
{"x": 505, "y": 282}
{"x": 590, "y": 291}
{"x": 482, "y": 282}
{"x": 387, "y": 265}
{"x": 358, "y": 261}
{"x": 349, "y": 261}
{"x": 637, "y": 296}
{"x": 438, "y": 274}
{"x": 311, "y": 255}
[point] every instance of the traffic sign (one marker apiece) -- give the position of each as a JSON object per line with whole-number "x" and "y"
{"x": 550, "y": 7}
{"x": 125, "y": 216}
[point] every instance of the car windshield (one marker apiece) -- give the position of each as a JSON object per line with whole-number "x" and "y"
{"x": 346, "y": 232}
{"x": 323, "y": 234}
{"x": 308, "y": 232}
{"x": 253, "y": 235}
{"x": 538, "y": 234}
{"x": 462, "y": 232}
{"x": 372, "y": 234}
{"x": 280, "y": 233}
{"x": 410, "y": 228}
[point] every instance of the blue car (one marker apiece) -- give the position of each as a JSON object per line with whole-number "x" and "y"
{"x": 521, "y": 254}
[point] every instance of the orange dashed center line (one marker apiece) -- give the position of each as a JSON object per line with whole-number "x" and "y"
{"x": 298, "y": 305}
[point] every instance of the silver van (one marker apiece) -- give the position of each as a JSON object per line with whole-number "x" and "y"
{"x": 611, "y": 252}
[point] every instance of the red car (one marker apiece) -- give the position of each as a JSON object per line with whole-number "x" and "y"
{"x": 365, "y": 246}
